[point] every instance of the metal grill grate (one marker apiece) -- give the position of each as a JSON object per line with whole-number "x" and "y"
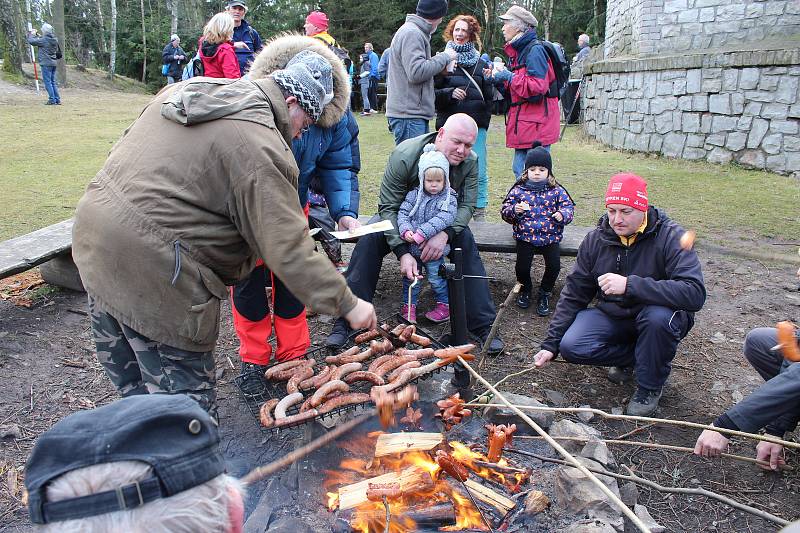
{"x": 277, "y": 389}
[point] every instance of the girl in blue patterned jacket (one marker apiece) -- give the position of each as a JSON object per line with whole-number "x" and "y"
{"x": 539, "y": 208}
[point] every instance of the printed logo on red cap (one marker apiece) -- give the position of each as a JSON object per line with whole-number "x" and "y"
{"x": 627, "y": 189}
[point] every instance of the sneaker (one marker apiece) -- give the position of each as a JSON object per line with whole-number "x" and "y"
{"x": 374, "y": 112}
{"x": 495, "y": 347}
{"x": 440, "y": 313}
{"x": 365, "y": 113}
{"x": 409, "y": 313}
{"x": 620, "y": 374}
{"x": 252, "y": 382}
{"x": 543, "y": 304}
{"x": 339, "y": 335}
{"x": 644, "y": 402}
{"x": 524, "y": 300}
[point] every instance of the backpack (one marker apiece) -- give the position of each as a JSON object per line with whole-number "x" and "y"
{"x": 561, "y": 67}
{"x": 193, "y": 68}
{"x": 58, "y": 54}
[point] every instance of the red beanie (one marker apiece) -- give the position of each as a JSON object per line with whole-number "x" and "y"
{"x": 318, "y": 19}
{"x": 627, "y": 189}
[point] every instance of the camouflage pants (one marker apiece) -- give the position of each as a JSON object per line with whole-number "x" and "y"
{"x": 138, "y": 365}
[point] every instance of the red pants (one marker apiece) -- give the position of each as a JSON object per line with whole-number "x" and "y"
{"x": 253, "y": 321}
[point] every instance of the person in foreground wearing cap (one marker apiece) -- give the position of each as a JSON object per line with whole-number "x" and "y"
{"x": 454, "y": 139}
{"x": 530, "y": 82}
{"x": 774, "y": 406}
{"x": 174, "y": 56}
{"x": 328, "y": 153}
{"x": 246, "y": 40}
{"x": 410, "y": 97}
{"x": 647, "y": 288}
{"x": 177, "y": 213}
{"x": 144, "y": 463}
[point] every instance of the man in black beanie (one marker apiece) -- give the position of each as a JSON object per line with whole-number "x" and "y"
{"x": 410, "y": 97}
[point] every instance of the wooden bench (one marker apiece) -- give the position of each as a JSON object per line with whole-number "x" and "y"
{"x": 50, "y": 249}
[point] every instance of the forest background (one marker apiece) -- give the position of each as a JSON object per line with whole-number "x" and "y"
{"x": 126, "y": 37}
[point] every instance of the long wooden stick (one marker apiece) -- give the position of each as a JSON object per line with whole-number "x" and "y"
{"x": 700, "y": 491}
{"x": 493, "y": 331}
{"x": 263, "y": 471}
{"x": 660, "y": 447}
{"x": 666, "y": 421}
{"x": 564, "y": 453}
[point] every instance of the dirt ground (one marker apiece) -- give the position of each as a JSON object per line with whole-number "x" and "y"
{"x": 49, "y": 370}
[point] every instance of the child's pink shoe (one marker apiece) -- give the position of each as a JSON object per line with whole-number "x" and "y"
{"x": 409, "y": 313}
{"x": 440, "y": 313}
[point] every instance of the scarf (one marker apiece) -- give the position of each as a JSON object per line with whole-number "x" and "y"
{"x": 467, "y": 55}
{"x": 534, "y": 186}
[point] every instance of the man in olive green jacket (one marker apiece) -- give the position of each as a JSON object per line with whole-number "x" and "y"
{"x": 197, "y": 189}
{"x": 454, "y": 139}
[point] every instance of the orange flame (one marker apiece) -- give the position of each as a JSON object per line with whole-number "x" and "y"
{"x": 468, "y": 458}
{"x": 370, "y": 516}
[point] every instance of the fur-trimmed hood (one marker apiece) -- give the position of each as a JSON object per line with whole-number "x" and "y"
{"x": 279, "y": 50}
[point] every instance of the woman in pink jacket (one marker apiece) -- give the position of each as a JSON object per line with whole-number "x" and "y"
{"x": 216, "y": 48}
{"x": 530, "y": 81}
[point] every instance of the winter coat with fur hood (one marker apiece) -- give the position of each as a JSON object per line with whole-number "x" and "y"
{"x": 198, "y": 188}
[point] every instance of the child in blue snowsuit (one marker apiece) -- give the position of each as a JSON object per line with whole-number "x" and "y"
{"x": 539, "y": 208}
{"x": 426, "y": 211}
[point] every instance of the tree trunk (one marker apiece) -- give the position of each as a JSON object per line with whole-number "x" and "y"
{"x": 102, "y": 23}
{"x": 58, "y": 26}
{"x": 548, "y": 18}
{"x": 112, "y": 63}
{"x": 144, "y": 44}
{"x": 12, "y": 56}
{"x": 172, "y": 5}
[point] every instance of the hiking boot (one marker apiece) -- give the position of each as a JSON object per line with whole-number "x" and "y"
{"x": 543, "y": 304}
{"x": 252, "y": 382}
{"x": 620, "y": 374}
{"x": 339, "y": 335}
{"x": 409, "y": 313}
{"x": 524, "y": 300}
{"x": 440, "y": 313}
{"x": 644, "y": 402}
{"x": 495, "y": 347}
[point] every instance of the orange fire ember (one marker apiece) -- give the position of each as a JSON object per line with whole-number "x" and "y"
{"x": 422, "y": 484}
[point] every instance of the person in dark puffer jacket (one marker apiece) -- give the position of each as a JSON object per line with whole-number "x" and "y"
{"x": 466, "y": 90}
{"x": 647, "y": 287}
{"x": 539, "y": 208}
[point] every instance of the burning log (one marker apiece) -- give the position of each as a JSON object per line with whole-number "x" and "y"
{"x": 490, "y": 497}
{"x": 424, "y": 516}
{"x": 389, "y": 443}
{"x": 504, "y": 469}
{"x": 412, "y": 479}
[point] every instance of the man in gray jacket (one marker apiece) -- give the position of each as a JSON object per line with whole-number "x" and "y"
{"x": 410, "y": 97}
{"x": 49, "y": 54}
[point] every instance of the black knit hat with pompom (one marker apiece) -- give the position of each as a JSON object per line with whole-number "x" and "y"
{"x": 538, "y": 156}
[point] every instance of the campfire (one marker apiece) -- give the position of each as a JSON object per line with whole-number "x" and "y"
{"x": 411, "y": 481}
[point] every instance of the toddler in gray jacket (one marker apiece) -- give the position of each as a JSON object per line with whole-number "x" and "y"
{"x": 426, "y": 211}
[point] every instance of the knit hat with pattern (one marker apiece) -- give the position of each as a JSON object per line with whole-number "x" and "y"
{"x": 307, "y": 77}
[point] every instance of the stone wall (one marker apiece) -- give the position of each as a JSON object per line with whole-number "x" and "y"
{"x": 741, "y": 106}
{"x": 641, "y": 27}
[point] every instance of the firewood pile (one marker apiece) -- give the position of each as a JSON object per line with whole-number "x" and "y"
{"x": 319, "y": 385}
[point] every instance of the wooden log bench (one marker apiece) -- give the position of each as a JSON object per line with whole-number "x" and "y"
{"x": 50, "y": 249}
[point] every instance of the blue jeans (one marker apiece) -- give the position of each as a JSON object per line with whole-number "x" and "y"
{"x": 407, "y": 128}
{"x": 518, "y": 165}
{"x": 483, "y": 177}
{"x": 51, "y": 85}
{"x": 438, "y": 283}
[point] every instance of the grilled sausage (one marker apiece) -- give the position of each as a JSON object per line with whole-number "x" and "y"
{"x": 287, "y": 374}
{"x": 270, "y": 373}
{"x": 367, "y": 336}
{"x": 363, "y": 375}
{"x": 345, "y": 369}
{"x": 420, "y": 353}
{"x": 377, "y": 491}
{"x": 451, "y": 465}
{"x": 315, "y": 381}
{"x": 303, "y": 372}
{"x": 265, "y": 413}
{"x": 325, "y": 390}
{"x": 285, "y": 403}
{"x": 419, "y": 340}
{"x": 346, "y": 357}
{"x": 393, "y": 363}
{"x": 396, "y": 372}
{"x": 349, "y": 398}
{"x": 299, "y": 417}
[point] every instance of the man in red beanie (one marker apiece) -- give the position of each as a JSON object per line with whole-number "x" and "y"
{"x": 647, "y": 289}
